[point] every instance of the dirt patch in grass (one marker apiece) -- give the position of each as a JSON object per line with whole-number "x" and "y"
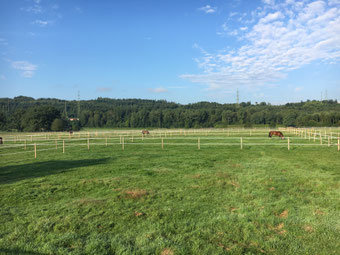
{"x": 234, "y": 183}
{"x": 136, "y": 193}
{"x": 167, "y": 251}
{"x": 90, "y": 201}
{"x": 284, "y": 214}
{"x": 318, "y": 212}
{"x": 138, "y": 214}
{"x": 233, "y": 209}
{"x": 237, "y": 166}
{"x": 195, "y": 176}
{"x": 279, "y": 228}
{"x": 308, "y": 228}
{"x": 223, "y": 175}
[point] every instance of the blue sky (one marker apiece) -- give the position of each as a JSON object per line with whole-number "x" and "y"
{"x": 182, "y": 51}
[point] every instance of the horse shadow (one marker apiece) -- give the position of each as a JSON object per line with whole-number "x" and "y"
{"x": 15, "y": 173}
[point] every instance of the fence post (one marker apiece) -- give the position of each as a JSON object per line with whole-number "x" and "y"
{"x": 338, "y": 144}
{"x": 123, "y": 143}
{"x": 63, "y": 146}
{"x": 288, "y": 144}
{"x": 320, "y": 138}
{"x": 198, "y": 144}
{"x": 241, "y": 143}
{"x": 31, "y": 138}
{"x": 106, "y": 141}
{"x": 35, "y": 150}
{"x": 25, "y": 143}
{"x": 329, "y": 142}
{"x": 162, "y": 143}
{"x": 88, "y": 143}
{"x": 56, "y": 144}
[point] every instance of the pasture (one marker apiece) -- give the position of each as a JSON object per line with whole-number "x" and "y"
{"x": 206, "y": 191}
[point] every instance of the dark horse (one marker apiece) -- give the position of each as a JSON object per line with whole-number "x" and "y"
{"x": 145, "y": 132}
{"x": 278, "y": 133}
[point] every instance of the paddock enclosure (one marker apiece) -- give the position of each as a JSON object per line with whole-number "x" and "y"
{"x": 36, "y": 143}
{"x": 174, "y": 191}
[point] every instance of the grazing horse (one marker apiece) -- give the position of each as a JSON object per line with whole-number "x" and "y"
{"x": 1, "y": 140}
{"x": 145, "y": 132}
{"x": 278, "y": 133}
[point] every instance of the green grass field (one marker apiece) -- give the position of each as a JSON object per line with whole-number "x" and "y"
{"x": 263, "y": 199}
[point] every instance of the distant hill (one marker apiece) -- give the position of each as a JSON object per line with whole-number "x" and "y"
{"x": 106, "y": 112}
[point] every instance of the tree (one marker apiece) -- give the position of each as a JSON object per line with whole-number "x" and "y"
{"x": 58, "y": 125}
{"x": 75, "y": 125}
{"x": 39, "y": 118}
{"x": 3, "y": 121}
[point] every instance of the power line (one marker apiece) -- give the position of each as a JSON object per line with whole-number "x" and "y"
{"x": 237, "y": 98}
{"x": 78, "y": 110}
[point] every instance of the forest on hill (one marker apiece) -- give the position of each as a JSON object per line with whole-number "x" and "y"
{"x": 45, "y": 114}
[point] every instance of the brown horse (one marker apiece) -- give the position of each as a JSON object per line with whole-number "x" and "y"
{"x": 278, "y": 133}
{"x": 145, "y": 132}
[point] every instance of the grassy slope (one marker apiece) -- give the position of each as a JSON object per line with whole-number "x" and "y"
{"x": 144, "y": 200}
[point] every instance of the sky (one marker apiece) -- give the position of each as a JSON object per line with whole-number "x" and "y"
{"x": 274, "y": 51}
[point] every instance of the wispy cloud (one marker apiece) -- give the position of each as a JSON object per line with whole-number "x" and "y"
{"x": 208, "y": 9}
{"x": 284, "y": 37}
{"x": 177, "y": 87}
{"x": 27, "y": 69}
{"x": 42, "y": 23}
{"x": 34, "y": 8}
{"x": 3, "y": 42}
{"x": 297, "y": 89}
{"x": 158, "y": 90}
{"x": 78, "y": 9}
{"x": 103, "y": 90}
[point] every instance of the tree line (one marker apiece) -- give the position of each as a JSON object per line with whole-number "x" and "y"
{"x": 45, "y": 114}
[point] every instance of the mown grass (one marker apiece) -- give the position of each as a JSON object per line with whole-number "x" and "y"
{"x": 180, "y": 200}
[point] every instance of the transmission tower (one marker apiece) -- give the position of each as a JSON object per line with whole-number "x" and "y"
{"x": 78, "y": 109}
{"x": 237, "y": 98}
{"x": 65, "y": 111}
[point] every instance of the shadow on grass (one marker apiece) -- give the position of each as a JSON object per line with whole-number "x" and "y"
{"x": 14, "y": 173}
{"x": 17, "y": 251}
